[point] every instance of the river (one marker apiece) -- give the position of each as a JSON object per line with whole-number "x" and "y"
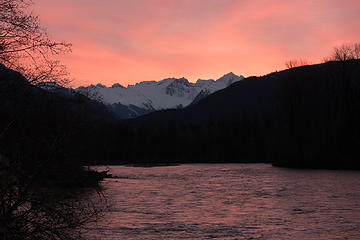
{"x": 232, "y": 201}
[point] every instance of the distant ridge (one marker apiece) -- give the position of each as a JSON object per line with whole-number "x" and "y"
{"x": 148, "y": 96}
{"x": 303, "y": 117}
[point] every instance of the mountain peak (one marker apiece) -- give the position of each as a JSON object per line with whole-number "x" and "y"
{"x": 229, "y": 78}
{"x": 117, "y": 85}
{"x": 157, "y": 95}
{"x": 178, "y": 87}
{"x": 49, "y": 85}
{"x": 181, "y": 80}
{"x": 230, "y": 74}
{"x": 99, "y": 85}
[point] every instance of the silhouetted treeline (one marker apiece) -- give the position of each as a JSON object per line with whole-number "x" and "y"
{"x": 49, "y": 133}
{"x": 41, "y": 170}
{"x": 301, "y": 117}
{"x": 318, "y": 125}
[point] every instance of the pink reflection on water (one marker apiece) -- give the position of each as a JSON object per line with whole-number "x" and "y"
{"x": 238, "y": 201}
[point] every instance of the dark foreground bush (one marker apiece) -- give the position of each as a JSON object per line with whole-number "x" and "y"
{"x": 32, "y": 210}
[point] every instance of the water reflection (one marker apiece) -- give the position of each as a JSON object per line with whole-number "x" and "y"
{"x": 237, "y": 201}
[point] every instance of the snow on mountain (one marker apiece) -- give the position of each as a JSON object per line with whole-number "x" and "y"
{"x": 202, "y": 94}
{"x": 157, "y": 95}
{"x": 56, "y": 88}
{"x": 49, "y": 86}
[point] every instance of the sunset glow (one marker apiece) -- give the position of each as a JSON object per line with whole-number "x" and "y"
{"x": 130, "y": 41}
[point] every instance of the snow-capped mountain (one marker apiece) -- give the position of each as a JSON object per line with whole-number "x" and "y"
{"x": 148, "y": 96}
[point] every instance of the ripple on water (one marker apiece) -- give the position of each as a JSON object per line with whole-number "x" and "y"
{"x": 236, "y": 201}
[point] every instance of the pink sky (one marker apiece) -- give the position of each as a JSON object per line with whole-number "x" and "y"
{"x": 127, "y": 41}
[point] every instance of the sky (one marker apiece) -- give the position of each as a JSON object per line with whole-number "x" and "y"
{"x": 128, "y": 41}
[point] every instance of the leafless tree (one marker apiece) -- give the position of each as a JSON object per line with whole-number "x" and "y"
{"x": 28, "y": 209}
{"x": 296, "y": 63}
{"x": 344, "y": 52}
{"x": 26, "y": 47}
{"x": 91, "y": 93}
{"x": 32, "y": 212}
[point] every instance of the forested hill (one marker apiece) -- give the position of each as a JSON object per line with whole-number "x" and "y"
{"x": 301, "y": 117}
{"x": 53, "y": 131}
{"x": 259, "y": 94}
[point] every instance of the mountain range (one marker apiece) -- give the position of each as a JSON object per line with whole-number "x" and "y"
{"x": 306, "y": 116}
{"x": 150, "y": 96}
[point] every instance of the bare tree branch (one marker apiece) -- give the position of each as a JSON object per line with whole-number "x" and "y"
{"x": 347, "y": 51}
{"x": 296, "y": 63}
{"x": 26, "y": 47}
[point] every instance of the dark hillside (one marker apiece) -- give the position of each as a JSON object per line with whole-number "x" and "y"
{"x": 301, "y": 117}
{"x": 47, "y": 132}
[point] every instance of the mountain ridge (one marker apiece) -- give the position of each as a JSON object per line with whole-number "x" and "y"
{"x": 148, "y": 96}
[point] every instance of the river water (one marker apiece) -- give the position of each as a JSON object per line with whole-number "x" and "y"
{"x": 233, "y": 201}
